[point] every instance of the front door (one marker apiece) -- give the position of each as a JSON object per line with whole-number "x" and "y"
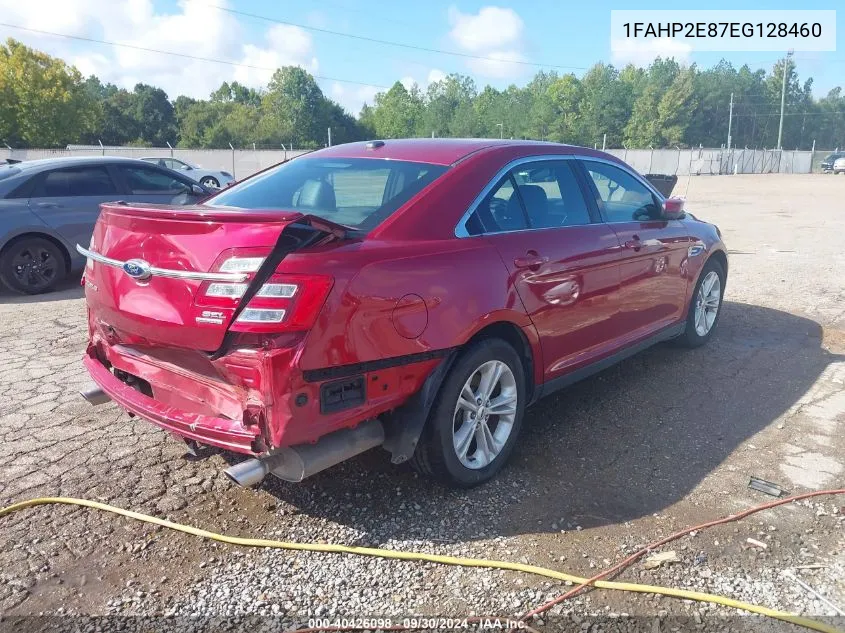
{"x": 562, "y": 260}
{"x": 652, "y": 267}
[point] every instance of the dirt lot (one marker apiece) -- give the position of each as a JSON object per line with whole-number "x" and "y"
{"x": 667, "y": 439}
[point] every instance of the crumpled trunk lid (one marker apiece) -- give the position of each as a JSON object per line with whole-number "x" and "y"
{"x": 181, "y": 245}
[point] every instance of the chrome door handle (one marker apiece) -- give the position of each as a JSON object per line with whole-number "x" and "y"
{"x": 530, "y": 261}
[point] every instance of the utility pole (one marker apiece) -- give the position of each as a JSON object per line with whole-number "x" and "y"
{"x": 501, "y": 127}
{"x": 730, "y": 120}
{"x": 330, "y": 137}
{"x": 783, "y": 95}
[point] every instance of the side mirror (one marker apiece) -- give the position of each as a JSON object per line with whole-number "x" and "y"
{"x": 673, "y": 209}
{"x": 197, "y": 190}
{"x": 186, "y": 167}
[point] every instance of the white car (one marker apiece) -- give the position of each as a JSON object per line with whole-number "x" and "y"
{"x": 206, "y": 177}
{"x": 839, "y": 166}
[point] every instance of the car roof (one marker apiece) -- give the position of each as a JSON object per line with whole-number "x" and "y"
{"x": 440, "y": 151}
{"x": 72, "y": 161}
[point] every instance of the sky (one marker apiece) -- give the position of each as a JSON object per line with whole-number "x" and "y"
{"x": 488, "y": 38}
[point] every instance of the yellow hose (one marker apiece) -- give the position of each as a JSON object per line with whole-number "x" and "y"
{"x": 432, "y": 558}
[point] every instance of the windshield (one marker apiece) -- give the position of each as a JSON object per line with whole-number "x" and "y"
{"x": 356, "y": 192}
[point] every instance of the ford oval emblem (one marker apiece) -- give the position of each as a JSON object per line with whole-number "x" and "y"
{"x": 138, "y": 269}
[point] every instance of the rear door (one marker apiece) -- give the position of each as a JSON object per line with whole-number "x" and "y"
{"x": 561, "y": 257}
{"x": 654, "y": 251}
{"x": 148, "y": 183}
{"x": 68, "y": 200}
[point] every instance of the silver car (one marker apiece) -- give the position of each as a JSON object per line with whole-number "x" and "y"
{"x": 206, "y": 177}
{"x": 48, "y": 206}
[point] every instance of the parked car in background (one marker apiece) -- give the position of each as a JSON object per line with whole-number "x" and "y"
{"x": 48, "y": 206}
{"x": 206, "y": 177}
{"x": 827, "y": 163}
{"x": 839, "y": 165}
{"x": 411, "y": 294}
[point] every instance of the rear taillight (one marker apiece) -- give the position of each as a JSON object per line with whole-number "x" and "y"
{"x": 285, "y": 302}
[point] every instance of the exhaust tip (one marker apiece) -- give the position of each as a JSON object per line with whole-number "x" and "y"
{"x": 94, "y": 395}
{"x": 248, "y": 473}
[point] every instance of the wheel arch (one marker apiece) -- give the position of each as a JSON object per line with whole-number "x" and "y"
{"x": 720, "y": 256}
{"x": 514, "y": 336}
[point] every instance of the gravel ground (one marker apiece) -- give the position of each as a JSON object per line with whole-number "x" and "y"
{"x": 666, "y": 439}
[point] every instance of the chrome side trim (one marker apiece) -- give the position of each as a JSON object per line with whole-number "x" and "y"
{"x": 194, "y": 275}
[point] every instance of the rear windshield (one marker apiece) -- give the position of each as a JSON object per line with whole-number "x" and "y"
{"x": 356, "y": 192}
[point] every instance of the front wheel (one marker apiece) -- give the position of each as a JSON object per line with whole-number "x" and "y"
{"x": 705, "y": 305}
{"x": 473, "y": 428}
{"x": 210, "y": 181}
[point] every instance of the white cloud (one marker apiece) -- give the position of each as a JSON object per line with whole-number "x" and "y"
{"x": 353, "y": 98}
{"x": 489, "y": 29}
{"x": 193, "y": 29}
{"x": 494, "y": 33}
{"x": 643, "y": 52}
{"x": 435, "y": 74}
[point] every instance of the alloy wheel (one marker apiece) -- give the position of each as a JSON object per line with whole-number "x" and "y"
{"x": 34, "y": 267}
{"x": 707, "y": 303}
{"x": 484, "y": 414}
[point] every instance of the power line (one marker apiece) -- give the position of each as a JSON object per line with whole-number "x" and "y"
{"x": 364, "y": 38}
{"x": 184, "y": 55}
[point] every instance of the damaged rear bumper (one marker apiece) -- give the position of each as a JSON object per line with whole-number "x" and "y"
{"x": 215, "y": 431}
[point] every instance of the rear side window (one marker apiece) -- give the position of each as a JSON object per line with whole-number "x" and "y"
{"x": 500, "y": 211}
{"x": 536, "y": 195}
{"x": 356, "y": 192}
{"x": 77, "y": 181}
{"x": 145, "y": 181}
{"x": 551, "y": 195}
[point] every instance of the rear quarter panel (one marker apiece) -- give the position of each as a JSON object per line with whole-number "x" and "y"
{"x": 410, "y": 298}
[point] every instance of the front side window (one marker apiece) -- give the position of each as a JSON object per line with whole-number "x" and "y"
{"x": 144, "y": 181}
{"x": 356, "y": 192}
{"x": 624, "y": 198}
{"x": 78, "y": 181}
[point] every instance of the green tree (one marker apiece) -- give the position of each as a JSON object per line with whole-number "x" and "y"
{"x": 605, "y": 105}
{"x": 565, "y": 95}
{"x": 396, "y": 113}
{"x": 292, "y": 108}
{"x": 43, "y": 101}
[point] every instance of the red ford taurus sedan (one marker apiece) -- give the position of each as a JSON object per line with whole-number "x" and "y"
{"x": 412, "y": 294}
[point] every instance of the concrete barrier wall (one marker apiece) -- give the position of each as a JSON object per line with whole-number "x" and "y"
{"x": 245, "y": 162}
{"x": 716, "y": 161}
{"x": 240, "y": 162}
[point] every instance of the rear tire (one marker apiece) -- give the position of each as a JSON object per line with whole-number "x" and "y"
{"x": 466, "y": 442}
{"x": 32, "y": 265}
{"x": 705, "y": 305}
{"x": 210, "y": 181}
